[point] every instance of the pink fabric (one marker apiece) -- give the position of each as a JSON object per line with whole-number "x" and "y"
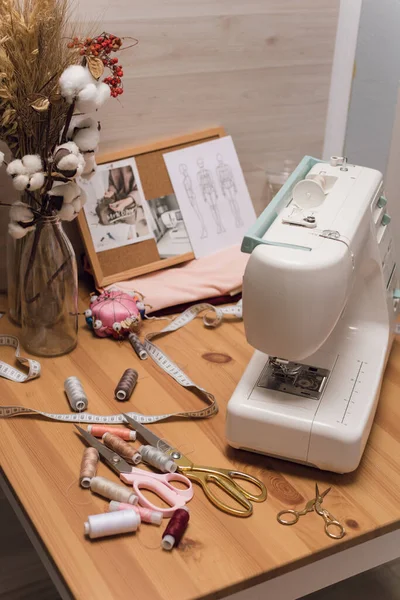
{"x": 207, "y": 277}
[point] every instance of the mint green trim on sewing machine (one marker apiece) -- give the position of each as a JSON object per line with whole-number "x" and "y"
{"x": 254, "y": 235}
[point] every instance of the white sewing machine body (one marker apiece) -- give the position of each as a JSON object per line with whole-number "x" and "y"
{"x": 318, "y": 293}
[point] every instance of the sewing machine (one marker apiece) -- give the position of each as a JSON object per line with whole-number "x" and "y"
{"x": 320, "y": 297}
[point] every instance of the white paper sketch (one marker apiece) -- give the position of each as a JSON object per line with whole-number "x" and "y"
{"x": 116, "y": 212}
{"x": 229, "y": 189}
{"x": 212, "y": 194}
{"x": 188, "y": 185}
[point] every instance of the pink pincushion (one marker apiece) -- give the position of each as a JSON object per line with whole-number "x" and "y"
{"x": 114, "y": 314}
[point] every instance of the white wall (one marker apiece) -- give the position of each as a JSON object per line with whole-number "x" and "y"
{"x": 260, "y": 68}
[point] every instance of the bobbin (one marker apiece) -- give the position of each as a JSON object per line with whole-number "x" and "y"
{"x": 156, "y": 458}
{"x": 123, "y": 449}
{"x": 137, "y": 345}
{"x": 175, "y": 528}
{"x": 113, "y": 491}
{"x": 111, "y": 523}
{"x": 123, "y": 432}
{"x": 75, "y": 394}
{"x": 89, "y": 463}
{"x": 126, "y": 385}
{"x": 146, "y": 514}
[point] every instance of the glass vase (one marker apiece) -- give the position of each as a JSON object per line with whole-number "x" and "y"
{"x": 14, "y": 254}
{"x": 49, "y": 291}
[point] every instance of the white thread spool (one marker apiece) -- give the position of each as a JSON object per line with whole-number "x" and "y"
{"x": 158, "y": 459}
{"x": 113, "y": 491}
{"x": 112, "y": 523}
{"x": 75, "y": 394}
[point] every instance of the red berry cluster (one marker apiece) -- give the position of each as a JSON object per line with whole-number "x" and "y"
{"x": 102, "y": 44}
{"x": 100, "y": 47}
{"x": 115, "y": 80}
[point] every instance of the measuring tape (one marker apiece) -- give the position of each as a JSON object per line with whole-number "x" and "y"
{"x": 12, "y": 373}
{"x": 163, "y": 361}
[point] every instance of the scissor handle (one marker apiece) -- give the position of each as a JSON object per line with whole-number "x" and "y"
{"x": 161, "y": 486}
{"x": 228, "y": 486}
{"x": 292, "y": 520}
{"x": 230, "y": 475}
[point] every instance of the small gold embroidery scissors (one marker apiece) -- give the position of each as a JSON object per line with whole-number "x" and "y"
{"x": 333, "y": 528}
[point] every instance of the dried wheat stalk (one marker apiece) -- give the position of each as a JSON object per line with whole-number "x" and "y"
{"x": 33, "y": 54}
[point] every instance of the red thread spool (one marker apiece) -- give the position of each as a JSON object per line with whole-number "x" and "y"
{"x": 175, "y": 529}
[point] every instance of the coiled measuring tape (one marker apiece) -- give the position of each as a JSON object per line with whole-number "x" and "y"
{"x": 164, "y": 362}
{"x": 12, "y": 373}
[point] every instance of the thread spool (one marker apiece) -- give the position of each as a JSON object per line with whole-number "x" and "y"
{"x": 111, "y": 523}
{"x": 137, "y": 345}
{"x": 126, "y": 385}
{"x": 122, "y": 432}
{"x": 89, "y": 462}
{"x": 146, "y": 514}
{"x": 75, "y": 394}
{"x": 159, "y": 460}
{"x": 122, "y": 448}
{"x": 113, "y": 491}
{"x": 175, "y": 529}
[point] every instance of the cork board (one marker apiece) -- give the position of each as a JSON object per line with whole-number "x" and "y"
{"x": 126, "y": 262}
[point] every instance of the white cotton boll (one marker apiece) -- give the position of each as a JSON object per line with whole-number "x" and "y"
{"x": 32, "y": 163}
{"x": 2, "y": 157}
{"x": 71, "y": 146}
{"x": 103, "y": 94}
{"x": 87, "y": 99}
{"x": 36, "y": 182}
{"x": 67, "y": 212}
{"x": 21, "y": 212}
{"x": 87, "y": 139}
{"x": 18, "y": 232}
{"x": 81, "y": 122}
{"x": 90, "y": 166}
{"x": 68, "y": 163}
{"x": 73, "y": 80}
{"x": 16, "y": 167}
{"x": 21, "y": 182}
{"x": 77, "y": 204}
{"x": 69, "y": 191}
{"x": 81, "y": 165}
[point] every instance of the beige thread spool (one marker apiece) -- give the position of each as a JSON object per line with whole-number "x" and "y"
{"x": 129, "y": 453}
{"x": 113, "y": 491}
{"x": 158, "y": 459}
{"x": 75, "y": 394}
{"x": 89, "y": 463}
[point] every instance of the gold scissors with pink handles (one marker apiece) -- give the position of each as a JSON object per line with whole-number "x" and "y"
{"x": 225, "y": 479}
{"x": 333, "y": 528}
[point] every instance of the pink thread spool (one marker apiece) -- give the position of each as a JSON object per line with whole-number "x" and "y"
{"x": 146, "y": 515}
{"x": 123, "y": 432}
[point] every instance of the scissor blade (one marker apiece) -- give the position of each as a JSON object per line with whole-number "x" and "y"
{"x": 113, "y": 460}
{"x": 147, "y": 435}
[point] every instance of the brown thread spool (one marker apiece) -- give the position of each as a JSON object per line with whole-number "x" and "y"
{"x": 122, "y": 448}
{"x": 89, "y": 462}
{"x": 126, "y": 385}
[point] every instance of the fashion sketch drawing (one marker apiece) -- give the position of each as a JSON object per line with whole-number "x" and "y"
{"x": 188, "y": 185}
{"x": 228, "y": 188}
{"x": 209, "y": 192}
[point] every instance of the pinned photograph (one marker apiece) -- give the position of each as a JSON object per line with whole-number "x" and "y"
{"x": 116, "y": 213}
{"x": 169, "y": 228}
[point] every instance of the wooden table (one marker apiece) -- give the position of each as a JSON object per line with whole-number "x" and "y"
{"x": 220, "y": 554}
